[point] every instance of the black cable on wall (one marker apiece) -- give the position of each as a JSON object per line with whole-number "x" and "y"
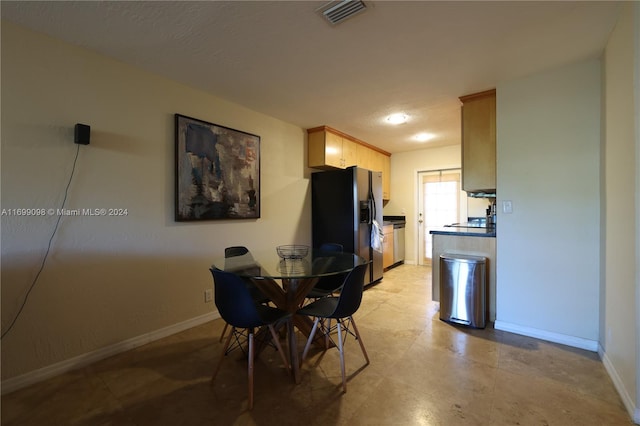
{"x": 46, "y": 255}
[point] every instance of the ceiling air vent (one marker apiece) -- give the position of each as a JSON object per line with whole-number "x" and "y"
{"x": 338, "y": 11}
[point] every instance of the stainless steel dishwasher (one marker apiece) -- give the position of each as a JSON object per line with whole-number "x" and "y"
{"x": 398, "y": 242}
{"x": 463, "y": 289}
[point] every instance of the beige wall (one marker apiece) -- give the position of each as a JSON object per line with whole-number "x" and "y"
{"x": 548, "y": 142}
{"x": 109, "y": 279}
{"x": 568, "y": 212}
{"x": 404, "y": 187}
{"x": 619, "y": 326}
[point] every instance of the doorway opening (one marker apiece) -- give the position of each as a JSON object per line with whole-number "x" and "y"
{"x": 441, "y": 201}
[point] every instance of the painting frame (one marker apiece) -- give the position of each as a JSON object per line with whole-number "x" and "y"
{"x": 217, "y": 172}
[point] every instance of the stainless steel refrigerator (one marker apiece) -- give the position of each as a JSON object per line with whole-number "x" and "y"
{"x": 344, "y": 204}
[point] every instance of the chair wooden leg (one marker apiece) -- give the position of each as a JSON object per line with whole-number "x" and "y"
{"x": 250, "y": 369}
{"x": 224, "y": 352}
{"x": 224, "y": 330}
{"x": 341, "y": 349}
{"x": 276, "y": 340}
{"x": 310, "y": 339}
{"x": 364, "y": 351}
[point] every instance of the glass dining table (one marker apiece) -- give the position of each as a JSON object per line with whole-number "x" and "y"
{"x": 296, "y": 277}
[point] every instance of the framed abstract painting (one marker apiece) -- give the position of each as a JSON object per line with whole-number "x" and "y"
{"x": 217, "y": 172}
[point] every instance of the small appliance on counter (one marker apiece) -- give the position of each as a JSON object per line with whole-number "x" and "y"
{"x": 491, "y": 214}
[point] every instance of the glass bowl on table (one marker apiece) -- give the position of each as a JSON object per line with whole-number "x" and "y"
{"x": 292, "y": 251}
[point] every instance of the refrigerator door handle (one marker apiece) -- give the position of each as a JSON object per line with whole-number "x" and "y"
{"x": 374, "y": 213}
{"x": 372, "y": 201}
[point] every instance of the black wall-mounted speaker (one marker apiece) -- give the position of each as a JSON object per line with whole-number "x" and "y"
{"x": 82, "y": 134}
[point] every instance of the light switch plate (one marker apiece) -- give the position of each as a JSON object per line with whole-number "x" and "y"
{"x": 507, "y": 207}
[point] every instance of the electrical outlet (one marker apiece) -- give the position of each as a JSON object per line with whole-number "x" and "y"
{"x": 208, "y": 295}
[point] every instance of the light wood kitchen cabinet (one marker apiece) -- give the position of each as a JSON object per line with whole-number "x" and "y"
{"x": 376, "y": 161}
{"x": 331, "y": 149}
{"x": 349, "y": 156}
{"x": 365, "y": 157}
{"x": 479, "y": 142}
{"x": 379, "y": 162}
{"x": 387, "y": 246}
{"x": 386, "y": 177}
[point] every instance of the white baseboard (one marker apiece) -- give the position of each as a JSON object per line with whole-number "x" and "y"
{"x": 628, "y": 402}
{"x": 18, "y": 382}
{"x": 576, "y": 342}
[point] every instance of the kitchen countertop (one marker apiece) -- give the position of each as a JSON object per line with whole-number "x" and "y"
{"x": 391, "y": 220}
{"x": 464, "y": 231}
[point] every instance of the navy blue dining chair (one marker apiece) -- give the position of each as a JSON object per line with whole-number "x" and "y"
{"x": 256, "y": 294}
{"x": 332, "y": 247}
{"x": 235, "y": 251}
{"x": 238, "y": 309}
{"x": 329, "y": 284}
{"x": 340, "y": 308}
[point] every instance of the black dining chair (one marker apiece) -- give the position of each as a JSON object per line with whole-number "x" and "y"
{"x": 235, "y": 251}
{"x": 329, "y": 284}
{"x": 256, "y": 294}
{"x": 332, "y": 247}
{"x": 340, "y": 308}
{"x": 238, "y": 308}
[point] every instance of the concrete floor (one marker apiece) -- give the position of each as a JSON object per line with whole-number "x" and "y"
{"x": 423, "y": 372}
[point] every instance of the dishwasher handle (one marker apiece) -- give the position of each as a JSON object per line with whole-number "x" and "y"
{"x": 398, "y": 243}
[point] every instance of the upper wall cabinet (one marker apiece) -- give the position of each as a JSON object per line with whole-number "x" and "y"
{"x": 479, "y": 142}
{"x": 332, "y": 149}
{"x": 386, "y": 176}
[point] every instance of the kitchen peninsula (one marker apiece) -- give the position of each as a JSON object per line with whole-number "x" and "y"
{"x": 478, "y": 236}
{"x": 467, "y": 239}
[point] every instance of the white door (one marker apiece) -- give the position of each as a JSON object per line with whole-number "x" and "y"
{"x": 441, "y": 201}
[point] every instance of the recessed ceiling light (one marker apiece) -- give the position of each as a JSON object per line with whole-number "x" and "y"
{"x": 423, "y": 137}
{"x": 398, "y": 118}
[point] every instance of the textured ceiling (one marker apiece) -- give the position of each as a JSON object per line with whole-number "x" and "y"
{"x": 283, "y": 59}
